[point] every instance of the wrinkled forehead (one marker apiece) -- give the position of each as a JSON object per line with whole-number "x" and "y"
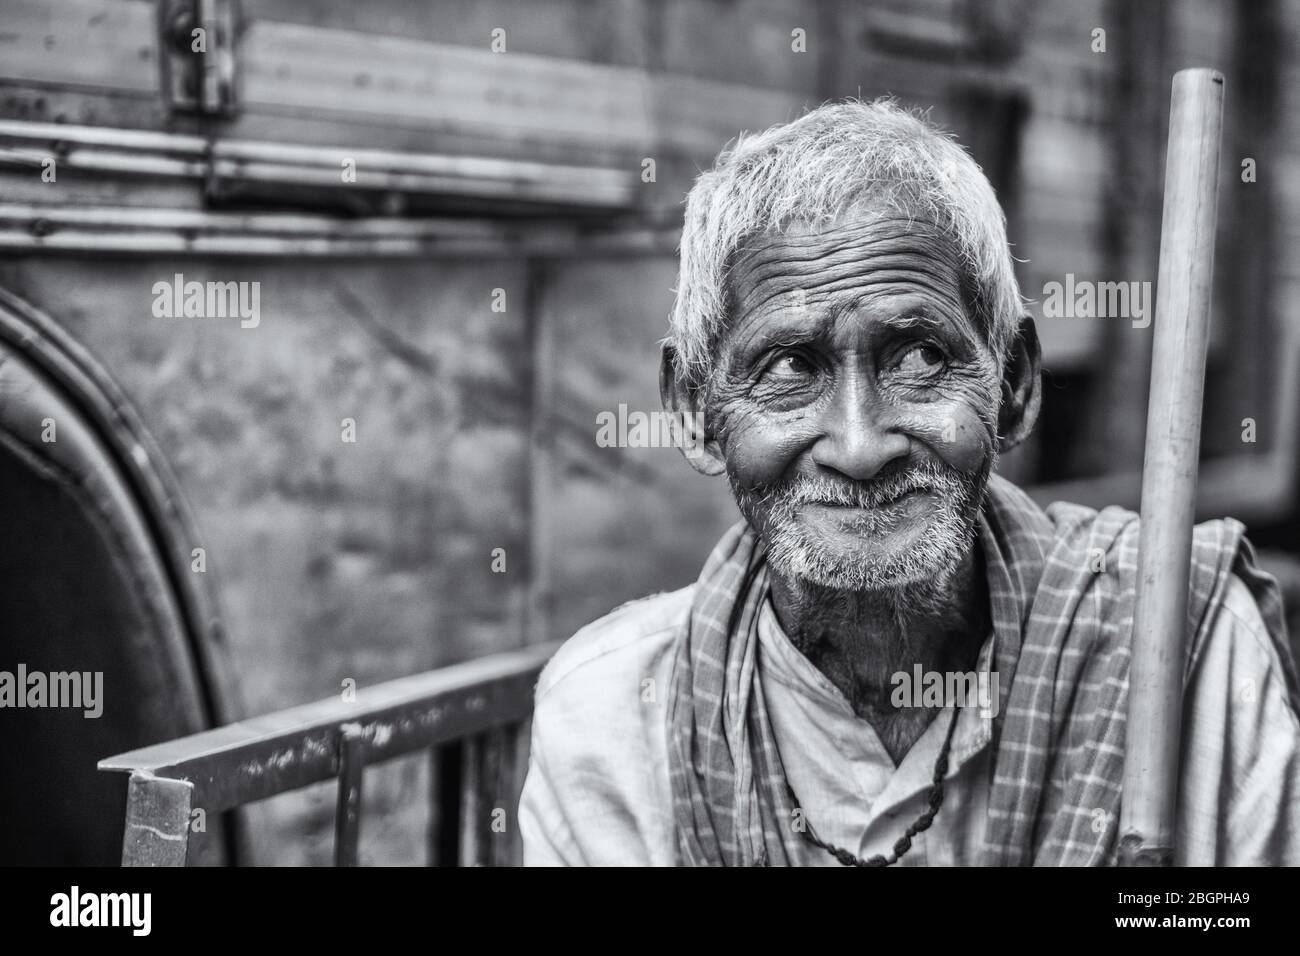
{"x": 853, "y": 260}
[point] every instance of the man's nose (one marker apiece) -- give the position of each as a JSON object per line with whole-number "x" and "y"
{"x": 859, "y": 434}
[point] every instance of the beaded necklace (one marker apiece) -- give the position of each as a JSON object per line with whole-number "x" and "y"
{"x": 934, "y": 800}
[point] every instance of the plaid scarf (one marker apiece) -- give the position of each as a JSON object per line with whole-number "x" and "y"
{"x": 1061, "y": 633}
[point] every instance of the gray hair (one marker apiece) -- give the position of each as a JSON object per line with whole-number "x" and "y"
{"x": 837, "y": 158}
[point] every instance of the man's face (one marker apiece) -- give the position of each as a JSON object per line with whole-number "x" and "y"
{"x": 855, "y": 402}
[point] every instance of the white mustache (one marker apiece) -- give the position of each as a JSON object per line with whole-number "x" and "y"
{"x": 866, "y": 495}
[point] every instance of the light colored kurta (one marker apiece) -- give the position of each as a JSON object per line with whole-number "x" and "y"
{"x": 597, "y": 791}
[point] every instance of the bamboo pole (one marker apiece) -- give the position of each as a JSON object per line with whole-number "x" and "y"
{"x": 1182, "y": 322}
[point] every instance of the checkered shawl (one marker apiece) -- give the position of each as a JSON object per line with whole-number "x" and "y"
{"x": 1062, "y": 634}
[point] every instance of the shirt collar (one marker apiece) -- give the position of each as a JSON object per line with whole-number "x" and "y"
{"x": 782, "y": 662}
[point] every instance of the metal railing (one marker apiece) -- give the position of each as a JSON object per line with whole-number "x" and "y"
{"x": 473, "y": 718}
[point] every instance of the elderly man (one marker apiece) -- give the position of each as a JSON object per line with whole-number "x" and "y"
{"x": 849, "y": 332}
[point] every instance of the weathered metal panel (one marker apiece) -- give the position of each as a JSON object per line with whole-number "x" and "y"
{"x": 157, "y": 821}
{"x": 289, "y": 749}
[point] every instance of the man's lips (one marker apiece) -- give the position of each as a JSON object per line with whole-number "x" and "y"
{"x": 902, "y": 499}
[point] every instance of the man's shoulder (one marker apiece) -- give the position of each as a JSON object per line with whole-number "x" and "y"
{"x": 631, "y": 642}
{"x": 1083, "y": 532}
{"x": 598, "y": 788}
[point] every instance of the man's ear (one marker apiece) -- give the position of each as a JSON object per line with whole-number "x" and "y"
{"x": 698, "y": 445}
{"x": 1022, "y": 391}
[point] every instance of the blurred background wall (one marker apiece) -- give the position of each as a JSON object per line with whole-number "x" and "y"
{"x": 475, "y": 425}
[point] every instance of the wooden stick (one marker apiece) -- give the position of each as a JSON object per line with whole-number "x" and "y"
{"x": 1182, "y": 323}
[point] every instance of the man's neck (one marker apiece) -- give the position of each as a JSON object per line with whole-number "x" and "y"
{"x": 861, "y": 639}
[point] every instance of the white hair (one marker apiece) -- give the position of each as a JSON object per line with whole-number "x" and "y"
{"x": 842, "y": 156}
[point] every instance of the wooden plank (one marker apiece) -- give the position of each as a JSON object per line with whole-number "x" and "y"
{"x": 330, "y": 129}
{"x": 361, "y": 82}
{"x": 370, "y": 79}
{"x": 297, "y": 77}
{"x": 289, "y": 68}
{"x": 157, "y": 821}
{"x": 83, "y": 43}
{"x": 373, "y": 79}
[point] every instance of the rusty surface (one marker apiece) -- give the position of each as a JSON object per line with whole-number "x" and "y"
{"x": 157, "y": 821}
{"x": 288, "y": 749}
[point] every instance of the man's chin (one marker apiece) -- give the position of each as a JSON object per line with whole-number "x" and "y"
{"x": 856, "y": 579}
{"x": 856, "y": 565}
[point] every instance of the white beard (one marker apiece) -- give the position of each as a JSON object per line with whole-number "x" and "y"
{"x": 795, "y": 554}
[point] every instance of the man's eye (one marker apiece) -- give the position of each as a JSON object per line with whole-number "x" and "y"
{"x": 922, "y": 359}
{"x": 790, "y": 366}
